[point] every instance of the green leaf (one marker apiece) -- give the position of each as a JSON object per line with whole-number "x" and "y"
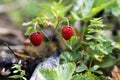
{"x": 98, "y": 72}
{"x": 15, "y": 76}
{"x": 65, "y": 71}
{"x": 86, "y": 8}
{"x": 99, "y": 2}
{"x": 45, "y": 9}
{"x": 66, "y": 57}
{"x": 29, "y": 30}
{"x": 103, "y": 77}
{"x": 95, "y": 10}
{"x": 65, "y": 10}
{"x": 60, "y": 10}
{"x": 69, "y": 57}
{"x": 94, "y": 68}
{"x": 102, "y": 50}
{"x": 76, "y": 17}
{"x": 16, "y": 66}
{"x": 62, "y": 72}
{"x": 15, "y": 71}
{"x": 114, "y": 9}
{"x": 77, "y": 77}
{"x": 90, "y": 76}
{"x": 47, "y": 74}
{"x": 72, "y": 42}
{"x": 86, "y": 76}
{"x": 81, "y": 68}
{"x": 107, "y": 62}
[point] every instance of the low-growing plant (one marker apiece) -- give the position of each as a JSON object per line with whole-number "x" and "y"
{"x": 19, "y": 73}
{"x": 87, "y": 51}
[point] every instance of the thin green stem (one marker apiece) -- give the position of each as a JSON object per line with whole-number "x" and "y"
{"x": 83, "y": 31}
{"x": 90, "y": 65}
{"x": 44, "y": 33}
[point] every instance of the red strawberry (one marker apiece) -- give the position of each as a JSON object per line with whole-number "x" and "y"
{"x": 67, "y": 32}
{"x": 36, "y": 38}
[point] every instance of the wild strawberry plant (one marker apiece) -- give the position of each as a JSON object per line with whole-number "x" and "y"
{"x": 87, "y": 51}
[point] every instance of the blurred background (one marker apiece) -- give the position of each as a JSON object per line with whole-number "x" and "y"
{"x": 13, "y": 13}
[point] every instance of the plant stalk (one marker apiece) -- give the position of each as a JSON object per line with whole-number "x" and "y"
{"x": 84, "y": 31}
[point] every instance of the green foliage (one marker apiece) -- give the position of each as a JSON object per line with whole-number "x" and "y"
{"x": 90, "y": 8}
{"x": 86, "y": 76}
{"x": 81, "y": 68}
{"x": 107, "y": 61}
{"x": 49, "y": 13}
{"x": 29, "y": 30}
{"x": 114, "y": 9}
{"x": 69, "y": 57}
{"x": 91, "y": 49}
{"x": 62, "y": 72}
{"x": 71, "y": 43}
{"x": 54, "y": 10}
{"x": 98, "y": 44}
{"x": 18, "y": 69}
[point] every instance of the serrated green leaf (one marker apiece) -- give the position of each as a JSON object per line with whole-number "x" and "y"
{"x": 90, "y": 76}
{"x": 77, "y": 77}
{"x": 86, "y": 76}
{"x": 65, "y": 71}
{"x": 47, "y": 74}
{"x": 102, "y": 50}
{"x": 62, "y": 72}
{"x": 67, "y": 57}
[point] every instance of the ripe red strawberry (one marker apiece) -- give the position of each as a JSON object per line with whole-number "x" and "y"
{"x": 36, "y": 38}
{"x": 67, "y": 32}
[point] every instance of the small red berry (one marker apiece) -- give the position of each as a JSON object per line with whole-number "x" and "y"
{"x": 26, "y": 42}
{"x": 36, "y": 38}
{"x": 67, "y": 32}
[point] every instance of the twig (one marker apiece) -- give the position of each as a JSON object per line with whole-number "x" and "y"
{"x": 9, "y": 47}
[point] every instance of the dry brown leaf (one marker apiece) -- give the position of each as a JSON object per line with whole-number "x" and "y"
{"x": 116, "y": 73}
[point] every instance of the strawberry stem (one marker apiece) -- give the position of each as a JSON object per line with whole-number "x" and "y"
{"x": 45, "y": 34}
{"x": 35, "y": 25}
{"x": 67, "y": 22}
